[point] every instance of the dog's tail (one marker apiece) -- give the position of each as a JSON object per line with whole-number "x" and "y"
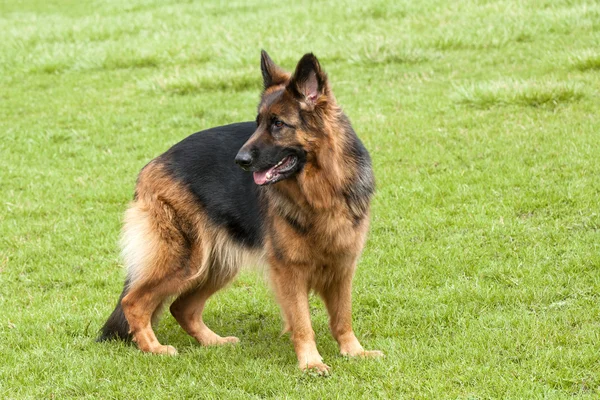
{"x": 116, "y": 327}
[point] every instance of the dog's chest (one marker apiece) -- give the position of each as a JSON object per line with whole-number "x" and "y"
{"x": 322, "y": 238}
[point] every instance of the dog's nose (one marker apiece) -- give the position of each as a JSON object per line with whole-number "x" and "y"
{"x": 244, "y": 158}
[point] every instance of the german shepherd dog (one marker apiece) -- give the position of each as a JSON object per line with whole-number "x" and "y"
{"x": 300, "y": 202}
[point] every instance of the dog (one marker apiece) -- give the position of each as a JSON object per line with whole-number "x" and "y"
{"x": 300, "y": 202}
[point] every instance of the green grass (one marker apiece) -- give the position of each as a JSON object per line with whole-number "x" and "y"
{"x": 481, "y": 275}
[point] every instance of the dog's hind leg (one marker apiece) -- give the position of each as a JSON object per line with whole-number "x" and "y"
{"x": 157, "y": 256}
{"x": 223, "y": 259}
{"x": 139, "y": 306}
{"x": 187, "y": 310}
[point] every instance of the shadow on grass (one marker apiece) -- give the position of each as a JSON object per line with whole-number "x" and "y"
{"x": 588, "y": 61}
{"x": 518, "y": 93}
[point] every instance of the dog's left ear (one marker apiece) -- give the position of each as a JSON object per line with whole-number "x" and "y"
{"x": 271, "y": 72}
{"x": 309, "y": 82}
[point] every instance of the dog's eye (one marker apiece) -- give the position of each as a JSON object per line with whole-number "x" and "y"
{"x": 278, "y": 124}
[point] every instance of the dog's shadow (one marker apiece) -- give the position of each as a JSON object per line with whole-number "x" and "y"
{"x": 260, "y": 335}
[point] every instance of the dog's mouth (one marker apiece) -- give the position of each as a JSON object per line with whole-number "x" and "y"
{"x": 279, "y": 171}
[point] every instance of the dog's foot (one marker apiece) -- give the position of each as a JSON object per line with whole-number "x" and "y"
{"x": 360, "y": 352}
{"x": 311, "y": 362}
{"x": 163, "y": 349}
{"x": 318, "y": 368}
{"x": 226, "y": 340}
{"x": 148, "y": 344}
{"x": 215, "y": 340}
{"x": 371, "y": 354}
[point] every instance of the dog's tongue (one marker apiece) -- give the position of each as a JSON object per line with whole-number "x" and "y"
{"x": 260, "y": 177}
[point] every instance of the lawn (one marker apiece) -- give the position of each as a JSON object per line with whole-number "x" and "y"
{"x": 481, "y": 276}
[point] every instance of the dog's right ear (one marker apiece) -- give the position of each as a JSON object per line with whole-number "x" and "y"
{"x": 309, "y": 82}
{"x": 271, "y": 72}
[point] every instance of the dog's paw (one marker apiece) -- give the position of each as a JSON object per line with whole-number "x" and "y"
{"x": 363, "y": 353}
{"x": 317, "y": 368}
{"x": 372, "y": 354}
{"x": 164, "y": 349}
{"x": 228, "y": 340}
{"x": 213, "y": 339}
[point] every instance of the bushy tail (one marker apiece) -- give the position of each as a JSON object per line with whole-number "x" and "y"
{"x": 116, "y": 327}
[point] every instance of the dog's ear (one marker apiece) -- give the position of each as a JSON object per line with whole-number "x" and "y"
{"x": 309, "y": 81}
{"x": 271, "y": 72}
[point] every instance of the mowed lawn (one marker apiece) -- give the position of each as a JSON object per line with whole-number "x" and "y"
{"x": 481, "y": 277}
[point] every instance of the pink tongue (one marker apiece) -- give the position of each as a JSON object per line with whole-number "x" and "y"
{"x": 260, "y": 177}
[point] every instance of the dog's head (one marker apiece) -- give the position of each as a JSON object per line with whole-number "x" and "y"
{"x": 293, "y": 114}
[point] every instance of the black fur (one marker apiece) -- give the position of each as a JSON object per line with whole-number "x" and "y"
{"x": 295, "y": 224}
{"x": 204, "y": 162}
{"x": 359, "y": 191}
{"x": 116, "y": 327}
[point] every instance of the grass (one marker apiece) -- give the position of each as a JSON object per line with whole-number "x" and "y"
{"x": 480, "y": 278}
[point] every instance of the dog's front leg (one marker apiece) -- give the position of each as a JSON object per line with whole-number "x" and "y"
{"x": 338, "y": 300}
{"x": 291, "y": 285}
